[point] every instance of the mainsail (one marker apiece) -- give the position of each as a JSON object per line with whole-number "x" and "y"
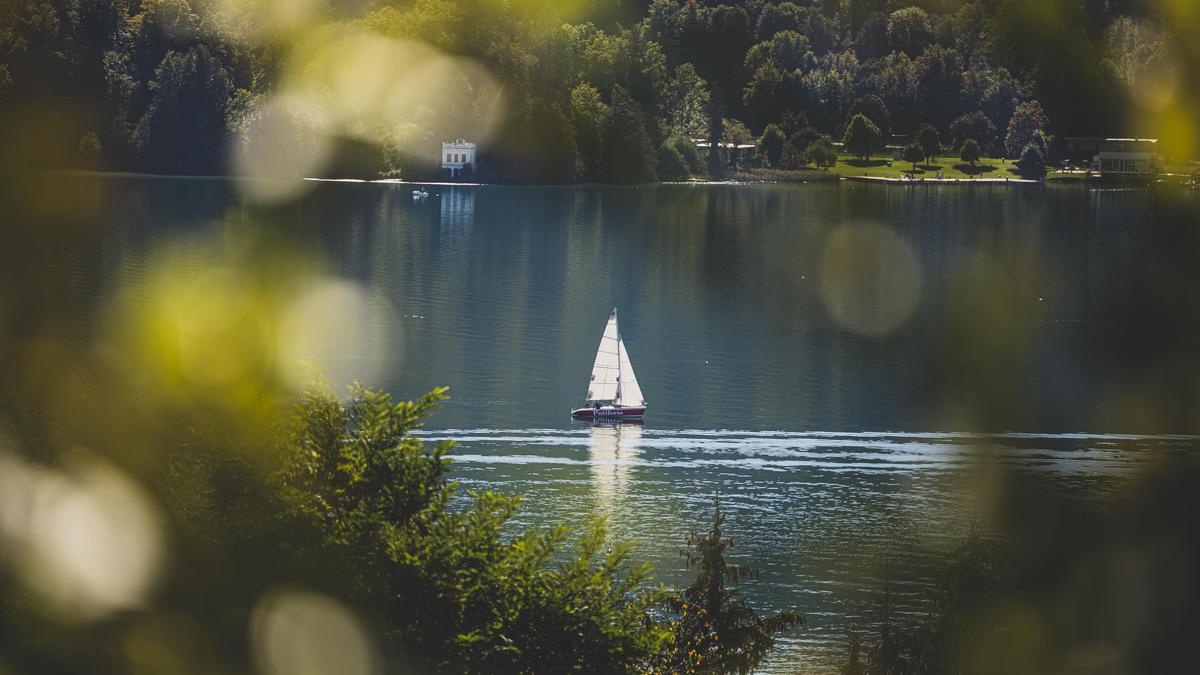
{"x": 606, "y": 371}
{"x": 612, "y": 374}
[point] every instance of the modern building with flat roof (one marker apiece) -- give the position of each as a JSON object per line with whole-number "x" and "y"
{"x": 1115, "y": 155}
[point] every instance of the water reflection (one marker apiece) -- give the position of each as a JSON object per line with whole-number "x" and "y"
{"x": 612, "y": 450}
{"x": 458, "y": 209}
{"x": 729, "y": 301}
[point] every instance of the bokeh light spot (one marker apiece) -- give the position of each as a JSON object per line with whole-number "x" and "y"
{"x": 87, "y": 538}
{"x": 302, "y": 633}
{"x": 286, "y": 141}
{"x": 870, "y": 279}
{"x": 338, "y": 327}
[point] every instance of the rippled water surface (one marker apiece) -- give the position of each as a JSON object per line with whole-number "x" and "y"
{"x": 824, "y": 516}
{"x": 799, "y": 347}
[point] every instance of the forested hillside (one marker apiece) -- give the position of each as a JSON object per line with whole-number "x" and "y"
{"x": 615, "y": 90}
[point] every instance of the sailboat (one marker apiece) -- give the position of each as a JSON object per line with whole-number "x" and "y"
{"x": 613, "y": 391}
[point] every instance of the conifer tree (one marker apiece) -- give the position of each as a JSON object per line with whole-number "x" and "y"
{"x": 717, "y": 628}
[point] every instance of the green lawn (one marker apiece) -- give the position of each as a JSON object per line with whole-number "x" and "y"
{"x": 951, "y": 167}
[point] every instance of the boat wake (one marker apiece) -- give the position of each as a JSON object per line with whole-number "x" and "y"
{"x": 786, "y": 451}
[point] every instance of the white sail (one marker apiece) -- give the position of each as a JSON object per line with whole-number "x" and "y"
{"x": 629, "y": 392}
{"x": 607, "y": 369}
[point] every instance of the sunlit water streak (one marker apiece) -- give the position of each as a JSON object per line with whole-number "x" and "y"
{"x": 822, "y": 513}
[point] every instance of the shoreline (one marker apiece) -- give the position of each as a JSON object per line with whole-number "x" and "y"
{"x": 738, "y": 178}
{"x": 942, "y": 181}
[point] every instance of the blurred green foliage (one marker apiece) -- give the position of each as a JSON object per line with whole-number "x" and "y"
{"x": 454, "y": 592}
{"x": 1078, "y": 590}
{"x": 359, "y": 509}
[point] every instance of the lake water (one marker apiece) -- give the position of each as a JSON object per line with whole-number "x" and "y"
{"x": 839, "y": 363}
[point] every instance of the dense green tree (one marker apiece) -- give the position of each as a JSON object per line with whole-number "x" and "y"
{"x": 822, "y": 32}
{"x": 784, "y": 16}
{"x": 183, "y": 129}
{"x": 1074, "y": 81}
{"x": 606, "y": 59}
{"x": 723, "y": 45}
{"x": 795, "y": 122}
{"x": 734, "y": 133}
{"x": 969, "y": 152}
{"x": 992, "y": 91}
{"x": 716, "y": 628}
{"x": 33, "y": 58}
{"x": 770, "y": 145}
{"x": 927, "y": 138}
{"x": 686, "y": 147}
{"x": 800, "y": 134}
{"x": 829, "y": 89}
{"x": 629, "y": 155}
{"x": 162, "y": 26}
{"x": 913, "y": 154}
{"x": 94, "y": 29}
{"x": 876, "y": 110}
{"x": 973, "y": 126}
{"x": 794, "y": 155}
{"x": 687, "y": 101}
{"x": 967, "y": 30}
{"x": 714, "y": 161}
{"x": 862, "y": 137}
{"x": 672, "y": 165}
{"x": 1027, "y": 121}
{"x": 998, "y": 97}
{"x": 765, "y": 96}
{"x": 588, "y": 116}
{"x": 535, "y": 144}
{"x": 1032, "y": 163}
{"x": 788, "y": 50}
{"x": 554, "y": 156}
{"x": 1140, "y": 49}
{"x": 90, "y": 149}
{"x": 939, "y": 84}
{"x": 860, "y": 12}
{"x": 648, "y": 83}
{"x": 1042, "y": 141}
{"x": 715, "y": 41}
{"x": 872, "y": 39}
{"x": 821, "y": 153}
{"x": 909, "y": 31}
{"x": 894, "y": 79}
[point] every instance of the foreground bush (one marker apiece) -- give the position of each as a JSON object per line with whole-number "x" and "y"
{"x": 458, "y": 589}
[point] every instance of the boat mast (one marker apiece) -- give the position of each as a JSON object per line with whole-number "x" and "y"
{"x": 617, "y": 400}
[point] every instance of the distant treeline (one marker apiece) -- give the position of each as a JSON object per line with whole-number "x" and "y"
{"x": 603, "y": 91}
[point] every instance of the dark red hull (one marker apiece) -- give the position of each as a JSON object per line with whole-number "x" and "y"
{"x": 609, "y": 413}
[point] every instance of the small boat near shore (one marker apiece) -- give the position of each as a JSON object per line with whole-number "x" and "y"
{"x": 420, "y": 194}
{"x": 613, "y": 391}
